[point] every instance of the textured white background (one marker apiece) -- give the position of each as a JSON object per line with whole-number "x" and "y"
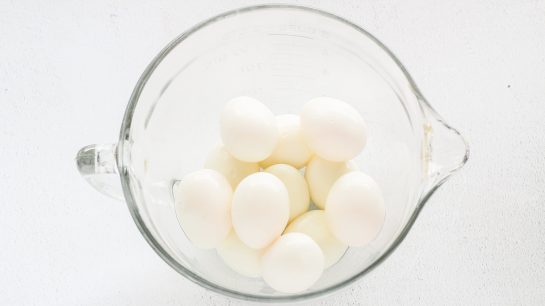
{"x": 67, "y": 69}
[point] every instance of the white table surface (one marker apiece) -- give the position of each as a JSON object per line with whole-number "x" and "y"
{"x": 67, "y": 69}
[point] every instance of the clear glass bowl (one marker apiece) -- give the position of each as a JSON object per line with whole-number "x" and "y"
{"x": 282, "y": 55}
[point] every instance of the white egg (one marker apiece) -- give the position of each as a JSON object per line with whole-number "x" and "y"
{"x": 296, "y": 185}
{"x": 293, "y": 263}
{"x": 313, "y": 224}
{"x": 203, "y": 206}
{"x": 355, "y": 209}
{"x": 261, "y": 208}
{"x": 248, "y": 129}
{"x": 291, "y": 148}
{"x": 333, "y": 129}
{"x": 321, "y": 174}
{"x": 233, "y": 169}
{"x": 239, "y": 257}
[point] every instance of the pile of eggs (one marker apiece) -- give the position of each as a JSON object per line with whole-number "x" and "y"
{"x": 252, "y": 202}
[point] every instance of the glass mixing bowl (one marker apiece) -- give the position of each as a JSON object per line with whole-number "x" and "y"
{"x": 284, "y": 56}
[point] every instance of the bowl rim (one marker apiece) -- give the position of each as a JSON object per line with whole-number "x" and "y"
{"x": 133, "y": 209}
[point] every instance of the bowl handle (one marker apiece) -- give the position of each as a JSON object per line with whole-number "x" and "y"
{"x": 97, "y": 164}
{"x": 444, "y": 150}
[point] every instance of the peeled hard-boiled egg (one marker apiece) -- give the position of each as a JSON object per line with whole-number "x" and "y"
{"x": 291, "y": 148}
{"x": 293, "y": 263}
{"x": 333, "y": 129}
{"x": 203, "y": 206}
{"x": 321, "y": 174}
{"x": 248, "y": 129}
{"x": 233, "y": 169}
{"x": 239, "y": 257}
{"x": 296, "y": 185}
{"x": 355, "y": 209}
{"x": 313, "y": 223}
{"x": 260, "y": 209}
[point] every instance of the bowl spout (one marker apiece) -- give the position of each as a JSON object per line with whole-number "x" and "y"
{"x": 444, "y": 150}
{"x": 97, "y": 165}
